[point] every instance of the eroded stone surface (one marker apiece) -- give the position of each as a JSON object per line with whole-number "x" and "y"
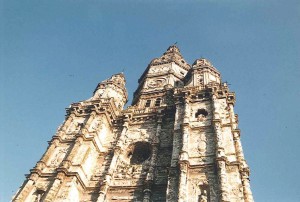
{"x": 179, "y": 141}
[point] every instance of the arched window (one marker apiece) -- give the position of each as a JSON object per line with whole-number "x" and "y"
{"x": 201, "y": 114}
{"x": 157, "y": 102}
{"x": 148, "y": 103}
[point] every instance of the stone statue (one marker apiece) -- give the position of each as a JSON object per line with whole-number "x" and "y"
{"x": 203, "y": 196}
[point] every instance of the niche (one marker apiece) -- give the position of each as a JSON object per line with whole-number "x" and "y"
{"x": 148, "y": 103}
{"x": 139, "y": 152}
{"x": 201, "y": 114}
{"x": 205, "y": 193}
{"x": 157, "y": 102}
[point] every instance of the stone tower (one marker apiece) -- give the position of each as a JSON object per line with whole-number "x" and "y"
{"x": 178, "y": 141}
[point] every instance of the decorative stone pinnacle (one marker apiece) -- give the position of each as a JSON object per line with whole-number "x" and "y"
{"x": 171, "y": 55}
{"x": 172, "y": 49}
{"x": 202, "y": 62}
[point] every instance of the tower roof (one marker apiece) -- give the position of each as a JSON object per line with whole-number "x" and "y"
{"x": 202, "y": 62}
{"x": 171, "y": 55}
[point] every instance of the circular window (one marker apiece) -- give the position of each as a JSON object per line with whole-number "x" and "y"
{"x": 139, "y": 152}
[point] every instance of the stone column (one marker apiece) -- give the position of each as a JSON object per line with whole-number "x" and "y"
{"x": 106, "y": 182}
{"x": 183, "y": 159}
{"x": 182, "y": 195}
{"x": 220, "y": 153}
{"x": 74, "y": 152}
{"x": 113, "y": 164}
{"x": 50, "y": 195}
{"x": 67, "y": 122}
{"x": 236, "y": 137}
{"x": 123, "y": 134}
{"x": 185, "y": 131}
{"x": 150, "y": 174}
{"x": 172, "y": 189}
{"x": 222, "y": 180}
{"x": 238, "y": 147}
{"x": 85, "y": 129}
{"x": 246, "y": 186}
{"x": 240, "y": 157}
{"x": 29, "y": 186}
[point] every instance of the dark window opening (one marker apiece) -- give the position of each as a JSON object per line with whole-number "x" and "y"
{"x": 148, "y": 103}
{"x": 204, "y": 193}
{"x": 200, "y": 96}
{"x": 140, "y": 153}
{"x": 201, "y": 113}
{"x": 157, "y": 102}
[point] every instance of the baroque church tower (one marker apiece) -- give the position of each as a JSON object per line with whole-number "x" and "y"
{"x": 178, "y": 142}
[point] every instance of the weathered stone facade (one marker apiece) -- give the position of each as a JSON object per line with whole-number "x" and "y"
{"x": 179, "y": 141}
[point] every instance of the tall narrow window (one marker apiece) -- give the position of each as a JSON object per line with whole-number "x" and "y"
{"x": 148, "y": 103}
{"x": 157, "y": 102}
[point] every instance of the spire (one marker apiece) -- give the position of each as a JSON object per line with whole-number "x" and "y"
{"x": 171, "y": 55}
{"x": 173, "y": 49}
{"x": 114, "y": 87}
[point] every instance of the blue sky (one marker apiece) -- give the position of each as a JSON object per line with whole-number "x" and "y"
{"x": 53, "y": 53}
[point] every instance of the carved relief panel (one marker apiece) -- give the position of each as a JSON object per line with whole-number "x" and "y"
{"x": 159, "y": 69}
{"x": 75, "y": 125}
{"x": 57, "y": 157}
{"x": 202, "y": 185}
{"x": 156, "y": 83}
{"x": 198, "y": 189}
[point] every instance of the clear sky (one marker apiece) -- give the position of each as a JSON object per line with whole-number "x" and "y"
{"x": 53, "y": 53}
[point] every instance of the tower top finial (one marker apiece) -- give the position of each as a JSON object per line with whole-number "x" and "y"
{"x": 173, "y": 49}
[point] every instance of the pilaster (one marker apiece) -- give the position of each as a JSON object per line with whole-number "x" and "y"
{"x": 184, "y": 157}
{"x": 150, "y": 175}
{"x": 29, "y": 186}
{"x": 51, "y": 194}
{"x": 182, "y": 195}
{"x": 172, "y": 189}
{"x": 246, "y": 186}
{"x": 117, "y": 150}
{"x": 220, "y": 154}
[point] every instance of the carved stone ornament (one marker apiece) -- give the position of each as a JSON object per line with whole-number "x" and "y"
{"x": 201, "y": 62}
{"x": 156, "y": 83}
{"x": 59, "y": 156}
{"x": 159, "y": 69}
